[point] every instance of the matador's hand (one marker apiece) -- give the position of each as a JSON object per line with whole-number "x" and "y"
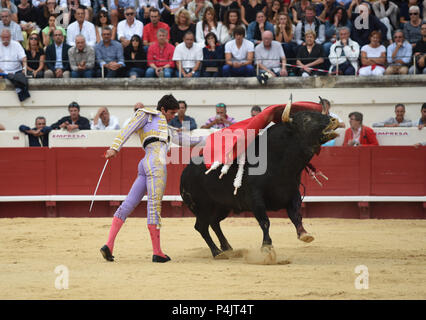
{"x": 110, "y": 153}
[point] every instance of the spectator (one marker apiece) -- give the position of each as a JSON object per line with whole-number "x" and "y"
{"x": 181, "y": 120}
{"x": 81, "y": 26}
{"x": 404, "y": 6}
{"x": 213, "y": 56}
{"x": 7, "y": 22}
{"x": 150, "y": 30}
{"x": 284, "y": 33}
{"x": 310, "y": 55}
{"x": 107, "y": 121}
{"x": 99, "y": 6}
{"x": 207, "y": 25}
{"x": 298, "y": 8}
{"x": 57, "y": 59}
{"x": 109, "y": 54}
{"x": 239, "y": 55}
{"x": 249, "y": 9}
{"x": 26, "y": 12}
{"x": 102, "y": 21}
{"x": 117, "y": 8}
{"x": 255, "y": 110}
{"x": 358, "y": 134}
{"x": 419, "y": 52}
{"x": 310, "y": 22}
{"x": 47, "y": 32}
{"x": 398, "y": 54}
{"x": 12, "y": 55}
{"x": 182, "y": 25}
{"x": 270, "y": 56}
{"x": 144, "y": 10}
{"x": 128, "y": 27}
{"x": 197, "y": 8}
{"x": 327, "y": 105}
{"x": 73, "y": 121}
{"x": 422, "y": 120}
{"x": 272, "y": 13}
{"x": 387, "y": 12}
{"x": 8, "y": 4}
{"x": 398, "y": 121}
{"x": 27, "y": 30}
{"x": 344, "y": 54}
{"x": 135, "y": 58}
{"x": 221, "y": 120}
{"x": 171, "y": 9}
{"x": 373, "y": 57}
{"x": 231, "y": 21}
{"x": 35, "y": 57}
{"x": 82, "y": 59}
{"x": 38, "y": 136}
{"x": 361, "y": 30}
{"x": 188, "y": 56}
{"x": 256, "y": 28}
{"x": 222, "y": 7}
{"x": 160, "y": 57}
{"x": 412, "y": 30}
{"x": 338, "y": 19}
{"x": 325, "y": 9}
{"x": 51, "y": 7}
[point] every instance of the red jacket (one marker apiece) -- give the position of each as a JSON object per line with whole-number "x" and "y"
{"x": 367, "y": 137}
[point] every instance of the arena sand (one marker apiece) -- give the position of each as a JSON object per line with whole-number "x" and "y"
{"x": 394, "y": 251}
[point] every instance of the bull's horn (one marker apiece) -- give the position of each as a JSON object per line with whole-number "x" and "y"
{"x": 286, "y": 113}
{"x": 324, "y": 111}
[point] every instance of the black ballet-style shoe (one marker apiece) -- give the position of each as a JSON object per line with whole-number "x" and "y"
{"x": 106, "y": 253}
{"x": 156, "y": 258}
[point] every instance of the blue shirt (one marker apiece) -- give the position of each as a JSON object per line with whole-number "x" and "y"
{"x": 114, "y": 52}
{"x": 177, "y": 124}
{"x": 58, "y": 64}
{"x": 404, "y": 53}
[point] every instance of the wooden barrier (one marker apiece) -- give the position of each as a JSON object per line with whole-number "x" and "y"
{"x": 39, "y": 182}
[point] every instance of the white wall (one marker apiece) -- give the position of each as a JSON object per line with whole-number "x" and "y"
{"x": 376, "y": 104}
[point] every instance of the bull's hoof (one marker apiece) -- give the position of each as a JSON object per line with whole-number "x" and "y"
{"x": 266, "y": 248}
{"x": 306, "y": 237}
{"x": 221, "y": 256}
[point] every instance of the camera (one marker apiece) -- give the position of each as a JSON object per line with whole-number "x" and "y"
{"x": 264, "y": 77}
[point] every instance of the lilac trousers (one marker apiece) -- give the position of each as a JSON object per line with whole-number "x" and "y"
{"x": 151, "y": 179}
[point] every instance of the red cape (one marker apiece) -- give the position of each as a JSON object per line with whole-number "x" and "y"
{"x": 222, "y": 145}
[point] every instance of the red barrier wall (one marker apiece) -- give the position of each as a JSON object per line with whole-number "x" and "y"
{"x": 368, "y": 171}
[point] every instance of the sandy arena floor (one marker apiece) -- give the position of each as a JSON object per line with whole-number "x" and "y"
{"x": 394, "y": 251}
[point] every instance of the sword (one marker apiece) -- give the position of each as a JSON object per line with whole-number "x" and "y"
{"x": 97, "y": 186}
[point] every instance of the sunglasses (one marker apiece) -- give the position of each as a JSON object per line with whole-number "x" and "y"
{"x": 414, "y": 13}
{"x": 130, "y": 13}
{"x": 33, "y": 38}
{"x": 220, "y": 105}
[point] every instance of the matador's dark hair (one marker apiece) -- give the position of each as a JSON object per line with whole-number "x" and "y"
{"x": 168, "y": 102}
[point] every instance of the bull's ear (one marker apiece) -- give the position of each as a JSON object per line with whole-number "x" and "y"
{"x": 286, "y": 113}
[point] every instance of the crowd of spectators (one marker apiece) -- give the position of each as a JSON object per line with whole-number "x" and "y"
{"x": 202, "y": 38}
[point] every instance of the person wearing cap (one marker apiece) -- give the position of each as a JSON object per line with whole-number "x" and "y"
{"x": 73, "y": 121}
{"x": 221, "y": 120}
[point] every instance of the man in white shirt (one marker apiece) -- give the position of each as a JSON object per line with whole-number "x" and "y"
{"x": 104, "y": 121}
{"x": 270, "y": 56}
{"x": 239, "y": 54}
{"x": 81, "y": 26}
{"x": 188, "y": 56}
{"x": 128, "y": 27}
{"x": 12, "y": 55}
{"x": 344, "y": 53}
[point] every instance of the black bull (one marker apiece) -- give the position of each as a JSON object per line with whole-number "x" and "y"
{"x": 290, "y": 147}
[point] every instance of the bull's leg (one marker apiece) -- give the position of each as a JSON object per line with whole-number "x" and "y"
{"x": 293, "y": 211}
{"x": 203, "y": 228}
{"x": 224, "y": 245}
{"x": 263, "y": 220}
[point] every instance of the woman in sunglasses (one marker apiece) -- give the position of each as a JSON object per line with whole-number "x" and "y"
{"x": 35, "y": 56}
{"x": 102, "y": 20}
{"x": 135, "y": 58}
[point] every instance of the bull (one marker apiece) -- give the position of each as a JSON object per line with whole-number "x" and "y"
{"x": 291, "y": 144}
